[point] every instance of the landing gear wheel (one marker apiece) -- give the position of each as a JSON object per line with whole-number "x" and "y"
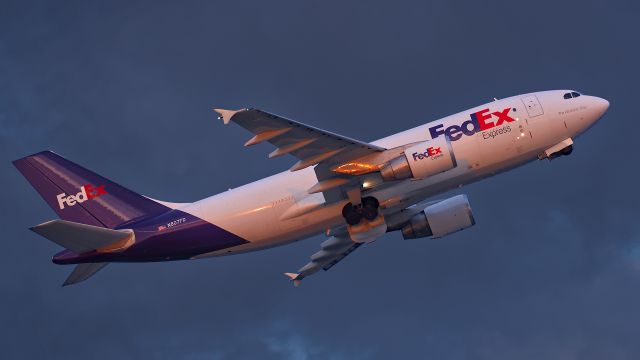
{"x": 369, "y": 213}
{"x": 370, "y": 201}
{"x": 370, "y": 208}
{"x": 352, "y": 214}
{"x": 568, "y": 150}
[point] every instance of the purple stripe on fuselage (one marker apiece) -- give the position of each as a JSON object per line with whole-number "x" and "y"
{"x": 174, "y": 235}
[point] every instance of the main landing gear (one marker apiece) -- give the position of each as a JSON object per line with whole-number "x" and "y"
{"x": 367, "y": 209}
{"x": 366, "y": 221}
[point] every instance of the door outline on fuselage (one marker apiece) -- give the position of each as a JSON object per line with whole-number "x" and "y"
{"x": 533, "y": 106}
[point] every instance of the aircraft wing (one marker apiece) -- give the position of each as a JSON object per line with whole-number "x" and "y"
{"x": 307, "y": 143}
{"x": 337, "y": 247}
{"x": 334, "y": 154}
{"x": 332, "y": 251}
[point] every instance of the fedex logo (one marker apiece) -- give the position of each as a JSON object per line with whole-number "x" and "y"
{"x": 479, "y": 121}
{"x": 87, "y": 192}
{"x": 431, "y": 151}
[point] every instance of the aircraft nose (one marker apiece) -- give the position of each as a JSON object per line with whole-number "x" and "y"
{"x": 600, "y": 105}
{"x": 596, "y": 108}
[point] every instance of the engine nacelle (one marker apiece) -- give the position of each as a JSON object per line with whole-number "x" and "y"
{"x": 420, "y": 161}
{"x": 440, "y": 219}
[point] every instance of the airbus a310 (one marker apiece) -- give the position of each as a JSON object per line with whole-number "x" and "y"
{"x": 350, "y": 190}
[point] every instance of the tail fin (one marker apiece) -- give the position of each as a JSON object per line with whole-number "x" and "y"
{"x": 79, "y": 195}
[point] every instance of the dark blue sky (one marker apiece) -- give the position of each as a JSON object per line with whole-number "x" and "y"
{"x": 550, "y": 271}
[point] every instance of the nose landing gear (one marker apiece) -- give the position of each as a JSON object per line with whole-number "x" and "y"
{"x": 563, "y": 148}
{"x": 368, "y": 209}
{"x": 567, "y": 151}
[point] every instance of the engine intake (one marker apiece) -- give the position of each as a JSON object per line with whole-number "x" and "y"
{"x": 440, "y": 219}
{"x": 420, "y": 161}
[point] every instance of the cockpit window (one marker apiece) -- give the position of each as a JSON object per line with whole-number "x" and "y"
{"x": 573, "y": 94}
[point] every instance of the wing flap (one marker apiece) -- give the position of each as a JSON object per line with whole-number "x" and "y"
{"x": 305, "y": 163}
{"x": 344, "y": 254}
{"x": 265, "y": 135}
{"x": 291, "y": 147}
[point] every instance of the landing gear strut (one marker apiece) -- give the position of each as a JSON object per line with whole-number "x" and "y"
{"x": 368, "y": 209}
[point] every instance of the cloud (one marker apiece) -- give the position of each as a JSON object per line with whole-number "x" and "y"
{"x": 549, "y": 270}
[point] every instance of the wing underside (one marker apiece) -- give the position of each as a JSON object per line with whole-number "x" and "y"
{"x": 332, "y": 251}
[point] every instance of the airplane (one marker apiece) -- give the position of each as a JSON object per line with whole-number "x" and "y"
{"x": 350, "y": 190}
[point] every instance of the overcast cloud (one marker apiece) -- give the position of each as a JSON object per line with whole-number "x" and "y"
{"x": 550, "y": 271}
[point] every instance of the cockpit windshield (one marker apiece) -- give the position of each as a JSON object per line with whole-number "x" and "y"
{"x": 570, "y": 95}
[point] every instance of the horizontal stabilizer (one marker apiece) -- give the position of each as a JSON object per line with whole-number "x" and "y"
{"x": 81, "y": 238}
{"x": 82, "y": 272}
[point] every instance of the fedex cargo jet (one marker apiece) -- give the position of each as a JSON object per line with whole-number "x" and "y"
{"x": 350, "y": 190}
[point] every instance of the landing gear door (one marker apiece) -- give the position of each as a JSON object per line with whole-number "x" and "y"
{"x": 533, "y": 106}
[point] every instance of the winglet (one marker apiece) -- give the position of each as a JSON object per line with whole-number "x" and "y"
{"x": 296, "y": 278}
{"x": 225, "y": 115}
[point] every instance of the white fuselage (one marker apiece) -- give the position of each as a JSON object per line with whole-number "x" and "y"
{"x": 542, "y": 120}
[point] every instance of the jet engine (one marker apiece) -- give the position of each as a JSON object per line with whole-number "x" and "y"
{"x": 440, "y": 219}
{"x": 420, "y": 161}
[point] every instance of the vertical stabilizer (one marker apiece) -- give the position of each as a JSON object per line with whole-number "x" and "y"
{"x": 79, "y": 195}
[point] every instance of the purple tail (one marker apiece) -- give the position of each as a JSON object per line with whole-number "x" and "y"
{"x": 79, "y": 195}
